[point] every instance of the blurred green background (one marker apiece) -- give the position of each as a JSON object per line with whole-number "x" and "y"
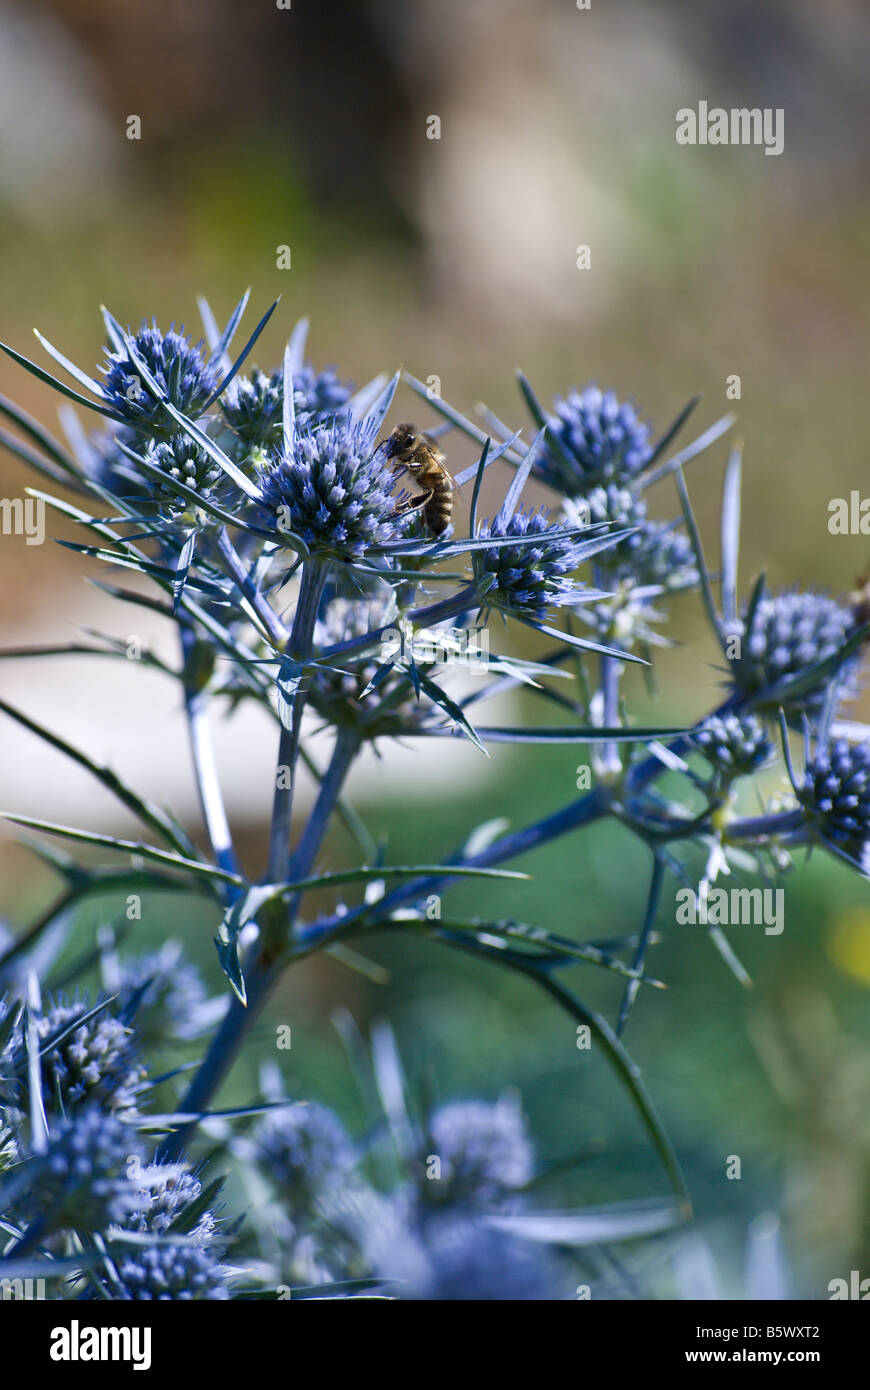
{"x": 306, "y": 128}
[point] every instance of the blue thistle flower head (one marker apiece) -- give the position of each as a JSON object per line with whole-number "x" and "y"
{"x": 617, "y": 506}
{"x": 601, "y": 440}
{"x": 655, "y": 553}
{"x": 180, "y": 368}
{"x": 304, "y": 1149}
{"x": 95, "y": 1062}
{"x": 173, "y": 1270}
{"x": 526, "y": 580}
{"x": 787, "y": 635}
{"x": 333, "y": 489}
{"x": 485, "y": 1152}
{"x": 186, "y": 461}
{"x": 664, "y": 556}
{"x": 172, "y": 1000}
{"x": 734, "y": 744}
{"x": 319, "y": 393}
{"x": 84, "y": 1179}
{"x": 836, "y": 797}
{"x": 253, "y": 406}
{"x": 458, "y": 1257}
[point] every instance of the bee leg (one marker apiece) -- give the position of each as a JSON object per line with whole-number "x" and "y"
{"x": 413, "y": 504}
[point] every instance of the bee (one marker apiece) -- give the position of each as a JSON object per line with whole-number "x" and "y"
{"x": 420, "y": 455}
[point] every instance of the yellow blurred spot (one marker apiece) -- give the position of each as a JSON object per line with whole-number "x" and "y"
{"x": 849, "y": 944}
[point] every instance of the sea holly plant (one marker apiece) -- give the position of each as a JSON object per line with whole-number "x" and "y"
{"x": 267, "y": 517}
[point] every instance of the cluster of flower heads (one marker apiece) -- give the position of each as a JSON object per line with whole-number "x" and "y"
{"x": 253, "y": 406}
{"x": 434, "y": 1235}
{"x": 785, "y": 651}
{"x": 74, "y": 1160}
{"x": 148, "y": 369}
{"x": 333, "y": 486}
{"x": 595, "y": 454}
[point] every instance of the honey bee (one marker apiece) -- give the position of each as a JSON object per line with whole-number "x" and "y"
{"x": 420, "y": 455}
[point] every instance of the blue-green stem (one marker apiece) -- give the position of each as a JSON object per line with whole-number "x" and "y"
{"x": 204, "y": 765}
{"x": 344, "y": 751}
{"x": 266, "y": 615}
{"x": 265, "y": 966}
{"x": 299, "y": 649}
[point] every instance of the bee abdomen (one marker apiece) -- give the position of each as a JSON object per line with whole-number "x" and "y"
{"x": 438, "y": 512}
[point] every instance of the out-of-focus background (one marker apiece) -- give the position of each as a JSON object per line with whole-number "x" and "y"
{"x": 306, "y": 128}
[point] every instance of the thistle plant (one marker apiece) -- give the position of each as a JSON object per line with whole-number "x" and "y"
{"x": 265, "y": 515}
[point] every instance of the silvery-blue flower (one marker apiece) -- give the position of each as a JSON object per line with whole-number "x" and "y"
{"x": 788, "y": 634}
{"x": 176, "y": 1270}
{"x": 95, "y": 1062}
{"x": 527, "y": 580}
{"x": 319, "y": 393}
{"x": 664, "y": 556}
{"x": 734, "y": 744}
{"x": 167, "y": 1189}
{"x": 484, "y": 1152}
{"x": 181, "y": 369}
{"x": 304, "y": 1149}
{"x": 620, "y": 507}
{"x": 87, "y": 1179}
{"x": 334, "y": 489}
{"x": 170, "y": 997}
{"x": 654, "y": 553}
{"x": 252, "y": 406}
{"x": 601, "y": 440}
{"x": 836, "y": 797}
{"x": 187, "y": 462}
